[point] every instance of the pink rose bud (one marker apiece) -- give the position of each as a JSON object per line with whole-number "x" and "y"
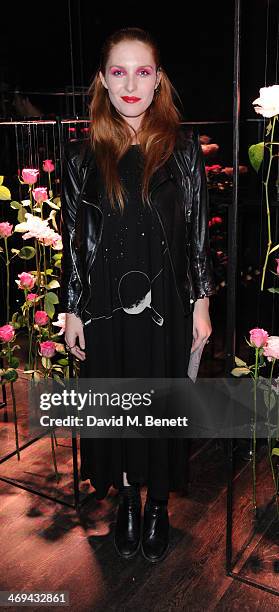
{"x": 277, "y": 269}
{"x": 26, "y": 280}
{"x": 208, "y": 149}
{"x": 258, "y": 337}
{"x": 40, "y": 194}
{"x": 228, "y": 170}
{"x": 271, "y": 350}
{"x": 48, "y": 166}
{"x": 31, "y": 296}
{"x": 41, "y": 317}
{"x": 216, "y": 220}
{"x": 7, "y": 333}
{"x": 30, "y": 175}
{"x": 5, "y": 229}
{"x": 47, "y": 348}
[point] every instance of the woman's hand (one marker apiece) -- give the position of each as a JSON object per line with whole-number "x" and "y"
{"x": 201, "y": 323}
{"x": 74, "y": 331}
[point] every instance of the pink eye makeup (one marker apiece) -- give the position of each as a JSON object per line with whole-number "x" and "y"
{"x": 115, "y": 71}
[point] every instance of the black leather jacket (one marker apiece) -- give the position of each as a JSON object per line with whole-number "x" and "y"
{"x": 178, "y": 193}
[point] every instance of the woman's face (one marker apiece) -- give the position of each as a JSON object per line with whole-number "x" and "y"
{"x": 131, "y": 79}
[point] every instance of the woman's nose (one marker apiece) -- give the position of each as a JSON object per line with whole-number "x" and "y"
{"x": 130, "y": 84}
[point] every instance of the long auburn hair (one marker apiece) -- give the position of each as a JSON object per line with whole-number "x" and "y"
{"x": 110, "y": 134}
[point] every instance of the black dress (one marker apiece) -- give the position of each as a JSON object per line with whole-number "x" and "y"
{"x": 138, "y": 329}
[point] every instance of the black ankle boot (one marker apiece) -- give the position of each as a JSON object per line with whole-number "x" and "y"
{"x": 127, "y": 528}
{"x": 155, "y": 538}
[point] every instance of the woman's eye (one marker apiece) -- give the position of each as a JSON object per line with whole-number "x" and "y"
{"x": 146, "y": 72}
{"x": 115, "y": 73}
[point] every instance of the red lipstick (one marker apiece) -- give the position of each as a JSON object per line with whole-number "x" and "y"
{"x": 130, "y": 99}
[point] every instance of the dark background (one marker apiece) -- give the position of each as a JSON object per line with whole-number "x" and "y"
{"x": 196, "y": 41}
{"x": 197, "y": 46}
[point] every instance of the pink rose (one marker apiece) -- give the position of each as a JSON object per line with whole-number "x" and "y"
{"x": 5, "y": 229}
{"x": 258, "y": 337}
{"x": 7, "y": 333}
{"x": 271, "y": 349}
{"x": 215, "y": 220}
{"x": 47, "y": 348}
{"x": 216, "y": 168}
{"x": 243, "y": 169}
{"x": 40, "y": 194}
{"x": 204, "y": 139}
{"x": 26, "y": 281}
{"x": 31, "y": 296}
{"x": 277, "y": 269}
{"x": 41, "y": 317}
{"x": 30, "y": 175}
{"x": 267, "y": 104}
{"x": 48, "y": 166}
{"x": 227, "y": 170}
{"x": 208, "y": 149}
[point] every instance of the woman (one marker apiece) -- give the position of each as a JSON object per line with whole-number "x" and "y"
{"x": 134, "y": 220}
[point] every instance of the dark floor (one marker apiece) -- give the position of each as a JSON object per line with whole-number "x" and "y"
{"x": 47, "y": 546}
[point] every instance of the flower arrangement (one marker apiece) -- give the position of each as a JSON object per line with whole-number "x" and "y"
{"x": 46, "y": 354}
{"x": 266, "y": 350}
{"x": 267, "y": 105}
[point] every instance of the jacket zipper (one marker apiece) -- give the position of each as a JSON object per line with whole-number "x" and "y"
{"x": 92, "y": 258}
{"x": 187, "y": 218}
{"x": 165, "y": 236}
{"x": 73, "y": 259}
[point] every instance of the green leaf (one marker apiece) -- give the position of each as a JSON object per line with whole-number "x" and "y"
{"x": 256, "y": 155}
{"x": 51, "y": 297}
{"x": 275, "y": 451}
{"x": 15, "y": 251}
{"x": 15, "y": 204}
{"x": 5, "y": 193}
{"x": 273, "y": 289}
{"x": 58, "y": 379}
{"x": 1, "y": 180}
{"x": 53, "y": 284}
{"x": 49, "y": 271}
{"x": 240, "y": 372}
{"x": 10, "y": 375}
{"x": 27, "y": 252}
{"x": 57, "y": 256}
{"x": 54, "y": 206}
{"x": 63, "y": 362}
{"x": 269, "y": 128}
{"x": 239, "y": 362}
{"x": 14, "y": 362}
{"x": 21, "y": 216}
{"x": 58, "y": 264}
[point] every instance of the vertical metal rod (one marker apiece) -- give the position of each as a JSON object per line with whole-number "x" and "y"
{"x": 72, "y": 58}
{"x": 233, "y": 209}
{"x": 232, "y": 269}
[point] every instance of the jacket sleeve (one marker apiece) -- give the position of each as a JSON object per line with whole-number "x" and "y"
{"x": 201, "y": 265}
{"x": 70, "y": 285}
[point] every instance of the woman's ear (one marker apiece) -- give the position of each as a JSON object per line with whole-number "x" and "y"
{"x": 159, "y": 76}
{"x": 103, "y": 79}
